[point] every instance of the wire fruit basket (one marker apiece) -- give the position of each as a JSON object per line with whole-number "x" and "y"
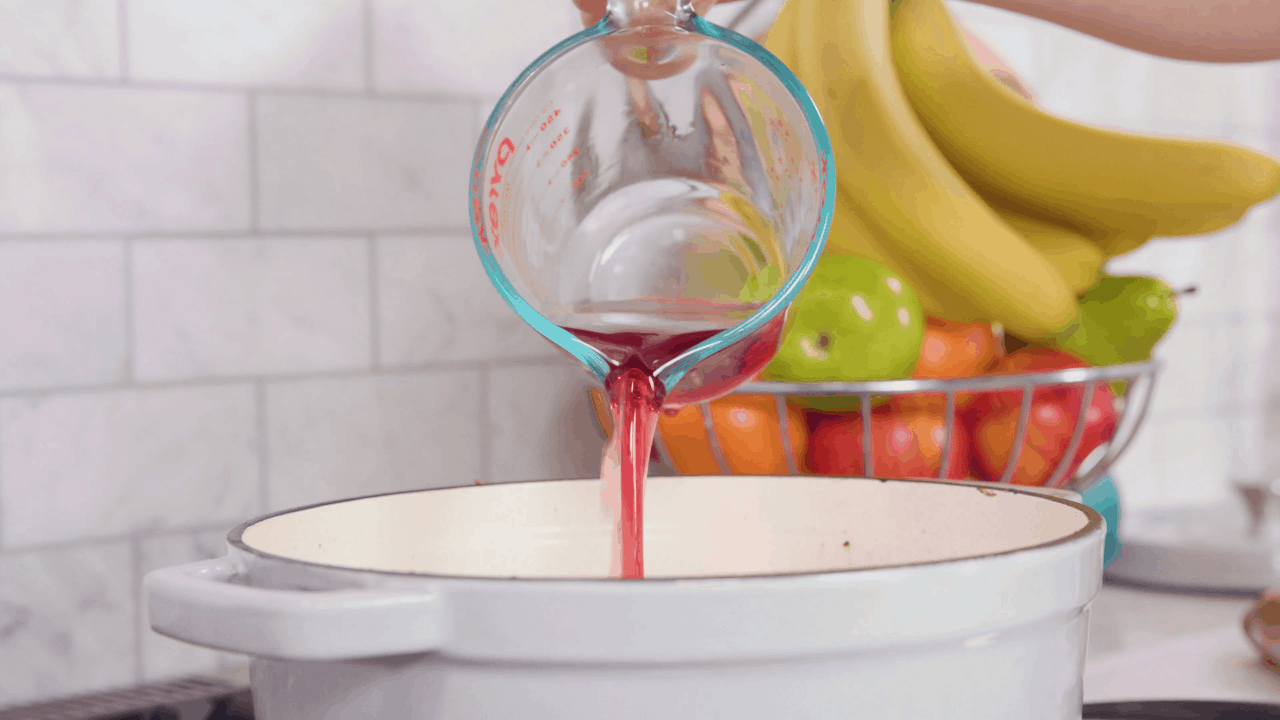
{"x": 1131, "y": 403}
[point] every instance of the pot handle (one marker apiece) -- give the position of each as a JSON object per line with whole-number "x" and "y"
{"x": 201, "y": 603}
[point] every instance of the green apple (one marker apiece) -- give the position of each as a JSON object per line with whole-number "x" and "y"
{"x": 855, "y": 319}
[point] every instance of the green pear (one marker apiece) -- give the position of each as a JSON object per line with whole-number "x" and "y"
{"x": 1122, "y": 319}
{"x": 1133, "y": 313}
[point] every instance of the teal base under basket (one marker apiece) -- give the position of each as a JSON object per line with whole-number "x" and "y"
{"x": 1104, "y": 498}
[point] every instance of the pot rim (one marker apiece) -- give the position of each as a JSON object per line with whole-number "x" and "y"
{"x": 1093, "y": 524}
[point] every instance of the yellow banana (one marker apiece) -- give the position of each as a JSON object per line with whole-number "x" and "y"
{"x": 887, "y": 166}
{"x": 1197, "y": 221}
{"x": 1076, "y": 258}
{"x": 780, "y": 40}
{"x": 851, "y": 234}
{"x": 1125, "y": 185}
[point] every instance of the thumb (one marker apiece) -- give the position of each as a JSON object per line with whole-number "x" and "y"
{"x": 593, "y": 10}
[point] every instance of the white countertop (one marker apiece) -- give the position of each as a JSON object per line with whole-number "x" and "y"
{"x": 1151, "y": 645}
{"x": 1127, "y": 619}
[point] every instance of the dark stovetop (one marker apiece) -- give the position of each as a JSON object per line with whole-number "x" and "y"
{"x": 193, "y": 698}
{"x": 1181, "y": 710}
{"x": 203, "y": 698}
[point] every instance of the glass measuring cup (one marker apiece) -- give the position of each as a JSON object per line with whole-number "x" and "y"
{"x": 656, "y": 189}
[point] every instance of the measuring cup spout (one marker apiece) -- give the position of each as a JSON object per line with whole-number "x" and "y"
{"x": 621, "y": 14}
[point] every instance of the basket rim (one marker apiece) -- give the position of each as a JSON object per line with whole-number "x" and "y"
{"x": 1011, "y": 381}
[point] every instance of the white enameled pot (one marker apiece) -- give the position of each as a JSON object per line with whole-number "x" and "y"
{"x": 767, "y": 597}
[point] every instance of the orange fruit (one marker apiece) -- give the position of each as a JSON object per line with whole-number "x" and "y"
{"x": 750, "y": 434}
{"x": 956, "y": 349}
{"x": 746, "y": 427}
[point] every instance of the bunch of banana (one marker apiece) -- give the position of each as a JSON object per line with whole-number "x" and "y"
{"x": 993, "y": 209}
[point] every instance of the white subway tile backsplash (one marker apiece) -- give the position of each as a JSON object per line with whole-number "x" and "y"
{"x": 1087, "y": 80}
{"x": 1192, "y": 97}
{"x": 62, "y": 313}
{"x": 67, "y": 621}
{"x": 1179, "y": 261}
{"x": 1137, "y": 477}
{"x": 541, "y": 425}
{"x": 343, "y": 163}
{"x": 1271, "y": 449}
{"x": 1219, "y": 289}
{"x": 163, "y": 657}
{"x": 1258, "y": 252}
{"x": 60, "y": 38}
{"x": 1250, "y": 350}
{"x": 464, "y": 48}
{"x": 1247, "y": 449}
{"x": 1188, "y": 379}
{"x": 1270, "y": 369}
{"x": 1259, "y": 237}
{"x": 1193, "y": 454}
{"x": 435, "y": 303}
{"x": 80, "y": 159}
{"x": 309, "y": 43}
{"x": 338, "y": 438}
{"x": 88, "y": 465}
{"x": 209, "y": 308}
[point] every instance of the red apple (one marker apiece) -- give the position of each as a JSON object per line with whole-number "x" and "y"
{"x": 1049, "y": 428}
{"x": 1028, "y": 360}
{"x": 907, "y": 436}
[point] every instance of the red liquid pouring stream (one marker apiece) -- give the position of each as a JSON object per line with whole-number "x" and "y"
{"x": 636, "y": 397}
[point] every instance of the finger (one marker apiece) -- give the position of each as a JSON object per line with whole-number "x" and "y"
{"x": 593, "y": 10}
{"x": 702, "y": 6}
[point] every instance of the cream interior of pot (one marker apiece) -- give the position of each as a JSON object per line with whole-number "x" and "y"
{"x": 694, "y": 527}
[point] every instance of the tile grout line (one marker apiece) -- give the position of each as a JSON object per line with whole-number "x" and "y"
{"x": 122, "y": 20}
{"x": 486, "y": 430}
{"x": 348, "y": 373}
{"x": 443, "y": 232}
{"x": 264, "y": 462}
{"x": 352, "y": 93}
{"x": 2, "y": 543}
{"x": 255, "y": 222}
{"x": 375, "y": 310}
{"x": 99, "y": 540}
{"x": 367, "y": 13}
{"x": 130, "y": 319}
{"x": 140, "y": 624}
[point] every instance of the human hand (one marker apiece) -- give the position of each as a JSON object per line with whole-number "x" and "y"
{"x": 1230, "y": 31}
{"x": 593, "y": 10}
